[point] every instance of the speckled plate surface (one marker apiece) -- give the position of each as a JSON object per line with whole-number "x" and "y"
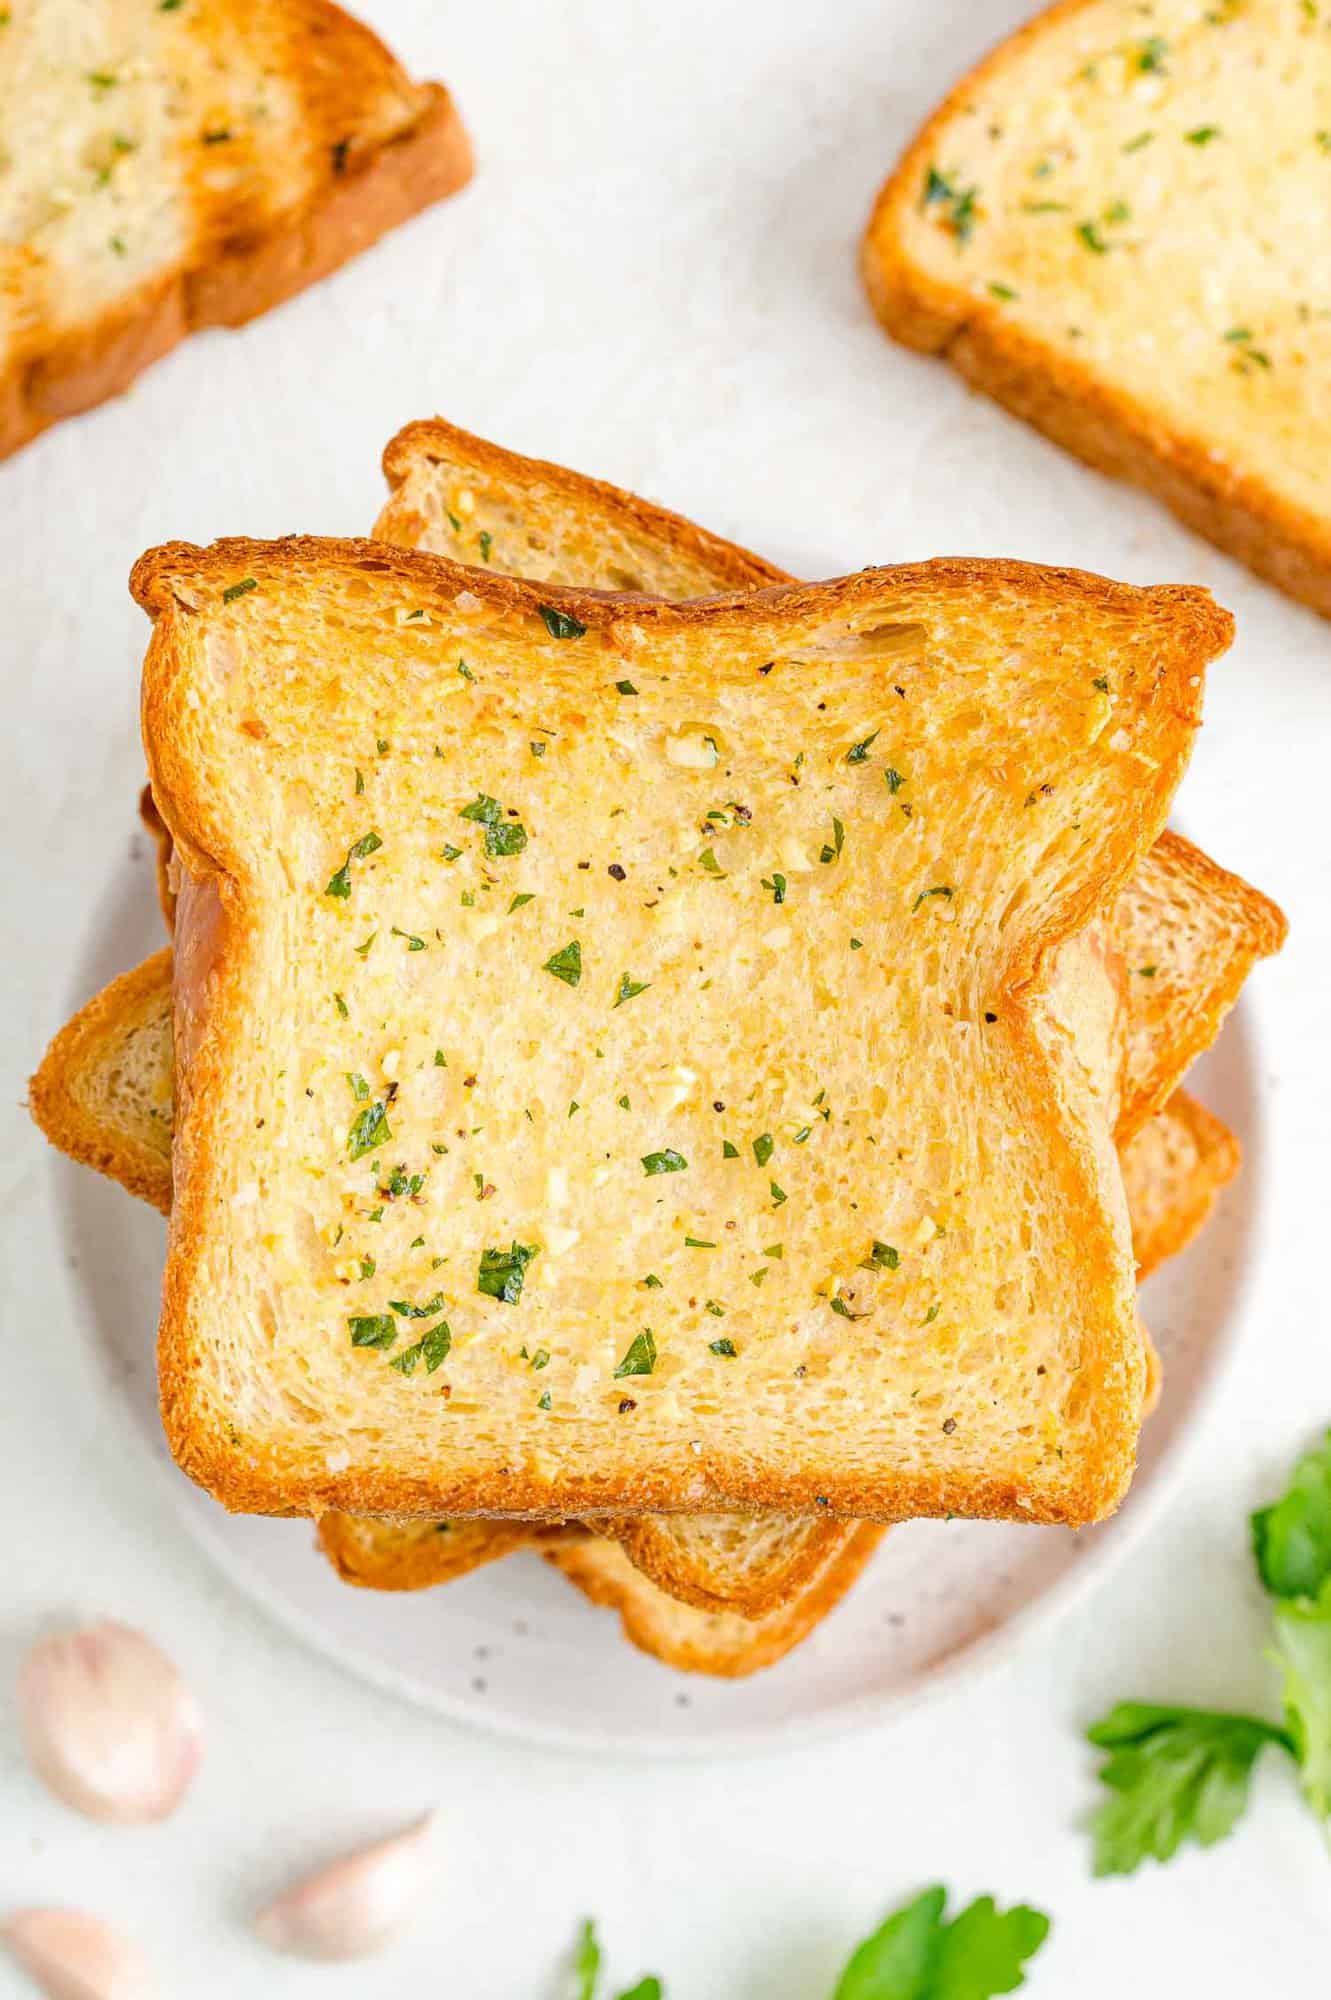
{"x": 515, "y": 1648}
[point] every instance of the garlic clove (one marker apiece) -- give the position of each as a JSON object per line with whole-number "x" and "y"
{"x": 355, "y": 1905}
{"x": 72, "y": 1956}
{"x": 108, "y": 1723}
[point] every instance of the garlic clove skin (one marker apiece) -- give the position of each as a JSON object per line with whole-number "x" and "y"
{"x": 355, "y": 1905}
{"x": 72, "y": 1956}
{"x": 108, "y": 1723}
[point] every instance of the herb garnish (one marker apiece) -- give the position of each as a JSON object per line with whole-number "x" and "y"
{"x": 566, "y": 964}
{"x": 426, "y": 1311}
{"x": 235, "y": 590}
{"x": 502, "y": 836}
{"x": 625, "y": 687}
{"x": 763, "y": 1148}
{"x": 377, "y": 1330}
{"x": 561, "y": 624}
{"x": 838, "y": 842}
{"x": 370, "y": 1130}
{"x": 339, "y": 884}
{"x": 666, "y": 1162}
{"x": 501, "y": 1272}
{"x": 858, "y": 752}
{"x": 943, "y": 889}
{"x": 958, "y": 204}
{"x": 432, "y": 1348}
{"x": 641, "y": 1356}
{"x": 723, "y": 1347}
{"x": 777, "y": 884}
{"x": 629, "y": 989}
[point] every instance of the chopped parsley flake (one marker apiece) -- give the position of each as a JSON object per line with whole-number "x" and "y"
{"x": 486, "y": 541}
{"x": 943, "y": 889}
{"x": 641, "y": 1356}
{"x": 858, "y": 753}
{"x": 698, "y": 1243}
{"x": 1202, "y": 135}
{"x": 502, "y": 836}
{"x": 652, "y": 1282}
{"x": 729, "y": 1152}
{"x": 666, "y": 1162}
{"x": 341, "y": 1007}
{"x": 566, "y": 964}
{"x": 519, "y": 901}
{"x": 235, "y": 590}
{"x": 625, "y": 687}
{"x": 413, "y": 943}
{"x": 778, "y": 1194}
{"x": 339, "y": 884}
{"x": 763, "y": 1148}
{"x": 370, "y": 1130}
{"x": 432, "y": 1348}
{"x": 376, "y": 1330}
{"x": 882, "y": 1257}
{"x": 777, "y": 884}
{"x": 426, "y": 1311}
{"x": 708, "y": 860}
{"x": 894, "y": 780}
{"x": 561, "y": 624}
{"x": 724, "y": 1347}
{"x": 501, "y": 1272}
{"x": 833, "y": 852}
{"x": 1089, "y": 232}
{"x": 360, "y": 1089}
{"x": 629, "y": 989}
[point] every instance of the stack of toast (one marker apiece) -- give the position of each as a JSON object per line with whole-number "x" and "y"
{"x": 657, "y": 1062}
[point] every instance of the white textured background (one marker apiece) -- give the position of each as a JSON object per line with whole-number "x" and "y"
{"x": 652, "y": 277}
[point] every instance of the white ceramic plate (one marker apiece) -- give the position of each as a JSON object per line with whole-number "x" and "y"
{"x": 514, "y": 1648}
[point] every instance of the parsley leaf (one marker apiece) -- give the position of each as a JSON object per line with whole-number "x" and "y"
{"x": 629, "y": 989}
{"x": 763, "y": 1147}
{"x": 858, "y": 752}
{"x": 666, "y": 1162}
{"x": 566, "y": 964}
{"x": 1174, "y": 1773}
{"x": 502, "y": 836}
{"x": 370, "y": 1129}
{"x": 377, "y": 1330}
{"x": 339, "y": 884}
{"x": 641, "y": 1356}
{"x": 1292, "y": 1540}
{"x": 501, "y": 1272}
{"x": 1303, "y": 1652}
{"x": 918, "y": 1955}
{"x": 561, "y": 624}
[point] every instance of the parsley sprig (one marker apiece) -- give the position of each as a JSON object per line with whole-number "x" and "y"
{"x": 918, "y": 1953}
{"x": 1181, "y": 1774}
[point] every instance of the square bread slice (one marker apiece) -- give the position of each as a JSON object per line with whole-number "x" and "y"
{"x": 169, "y": 167}
{"x": 1115, "y": 225}
{"x": 433, "y": 1139}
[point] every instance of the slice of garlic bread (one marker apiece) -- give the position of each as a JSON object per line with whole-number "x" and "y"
{"x": 1173, "y": 1171}
{"x": 387, "y": 1056}
{"x": 169, "y": 167}
{"x": 1115, "y": 226}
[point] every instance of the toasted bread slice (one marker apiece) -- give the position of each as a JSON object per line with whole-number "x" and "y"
{"x": 1172, "y": 1171}
{"x": 708, "y": 1642}
{"x": 105, "y": 1092}
{"x": 1189, "y": 933}
{"x": 273, "y": 1396}
{"x": 1084, "y": 229}
{"x": 415, "y": 1555}
{"x": 173, "y": 167}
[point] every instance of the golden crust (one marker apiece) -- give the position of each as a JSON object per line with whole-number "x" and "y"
{"x": 1049, "y": 386}
{"x": 68, "y": 1102}
{"x": 236, "y": 275}
{"x": 1173, "y": 1170}
{"x": 749, "y": 1586}
{"x": 701, "y": 1641}
{"x": 431, "y": 440}
{"x": 416, "y": 1555}
{"x": 1181, "y": 991}
{"x": 173, "y": 581}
